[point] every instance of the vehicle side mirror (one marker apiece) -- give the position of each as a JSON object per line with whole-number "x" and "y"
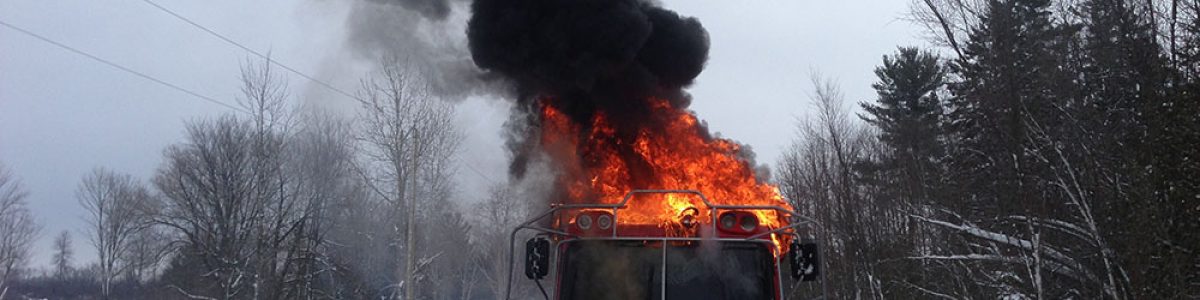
{"x": 537, "y": 258}
{"x": 803, "y": 260}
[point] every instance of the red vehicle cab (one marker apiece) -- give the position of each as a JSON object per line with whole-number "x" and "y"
{"x": 682, "y": 250}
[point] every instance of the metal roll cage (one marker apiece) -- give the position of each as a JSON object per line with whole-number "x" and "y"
{"x": 713, "y": 209}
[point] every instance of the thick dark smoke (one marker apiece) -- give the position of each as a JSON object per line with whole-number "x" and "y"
{"x": 589, "y": 46}
{"x": 589, "y": 56}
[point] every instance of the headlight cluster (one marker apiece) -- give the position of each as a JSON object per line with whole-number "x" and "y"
{"x": 594, "y": 221}
{"x": 738, "y": 222}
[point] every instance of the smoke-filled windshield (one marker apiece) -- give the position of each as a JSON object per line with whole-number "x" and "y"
{"x": 632, "y": 270}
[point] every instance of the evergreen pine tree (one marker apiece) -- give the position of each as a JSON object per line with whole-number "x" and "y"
{"x": 1138, "y": 130}
{"x": 907, "y": 113}
{"x": 1008, "y": 75}
{"x": 1014, "y": 79}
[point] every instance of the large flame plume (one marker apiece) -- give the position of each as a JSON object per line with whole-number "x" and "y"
{"x": 599, "y": 94}
{"x": 674, "y": 152}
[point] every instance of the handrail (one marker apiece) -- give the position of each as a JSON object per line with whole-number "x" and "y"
{"x": 625, "y": 201}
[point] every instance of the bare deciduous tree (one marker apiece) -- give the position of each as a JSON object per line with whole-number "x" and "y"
{"x": 274, "y": 259}
{"x": 495, "y": 217}
{"x": 63, "y": 253}
{"x": 322, "y": 161}
{"x": 114, "y": 204}
{"x": 819, "y": 174}
{"x": 207, "y": 185}
{"x": 948, "y": 21}
{"x": 231, "y": 195}
{"x": 411, "y": 137}
{"x": 17, "y": 229}
{"x": 142, "y": 258}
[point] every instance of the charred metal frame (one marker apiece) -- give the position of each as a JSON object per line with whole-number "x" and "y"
{"x": 615, "y": 208}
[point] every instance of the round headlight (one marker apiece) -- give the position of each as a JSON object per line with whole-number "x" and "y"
{"x": 584, "y": 221}
{"x": 604, "y": 221}
{"x": 728, "y": 220}
{"x": 687, "y": 217}
{"x": 749, "y": 223}
{"x": 688, "y": 221}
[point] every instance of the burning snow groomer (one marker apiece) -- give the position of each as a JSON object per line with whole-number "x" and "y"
{"x": 647, "y": 204}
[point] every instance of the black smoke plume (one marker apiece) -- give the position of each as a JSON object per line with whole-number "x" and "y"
{"x": 588, "y": 56}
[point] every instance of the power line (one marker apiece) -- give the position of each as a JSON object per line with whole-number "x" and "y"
{"x": 477, "y": 172}
{"x": 119, "y": 67}
{"x": 277, "y": 63}
{"x": 281, "y": 65}
{"x": 256, "y": 53}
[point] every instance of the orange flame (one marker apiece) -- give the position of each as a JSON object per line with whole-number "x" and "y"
{"x": 679, "y": 156}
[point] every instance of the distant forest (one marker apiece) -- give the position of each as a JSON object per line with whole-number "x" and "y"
{"x": 1035, "y": 149}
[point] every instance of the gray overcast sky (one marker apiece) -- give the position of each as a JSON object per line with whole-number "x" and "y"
{"x": 62, "y": 114}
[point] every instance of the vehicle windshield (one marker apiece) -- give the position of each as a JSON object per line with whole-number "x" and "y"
{"x": 633, "y": 270}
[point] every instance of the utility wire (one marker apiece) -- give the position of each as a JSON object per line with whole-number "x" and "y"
{"x": 119, "y": 67}
{"x": 256, "y": 53}
{"x": 477, "y": 172}
{"x": 277, "y": 63}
